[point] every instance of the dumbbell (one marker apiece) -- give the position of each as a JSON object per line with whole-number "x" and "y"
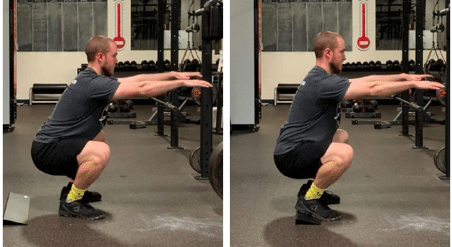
{"x": 396, "y": 65}
{"x": 371, "y": 106}
{"x": 346, "y": 66}
{"x": 378, "y": 65}
{"x": 353, "y": 66}
{"x": 374, "y": 103}
{"x": 133, "y": 65}
{"x": 144, "y": 65}
{"x": 366, "y": 66}
{"x": 127, "y": 65}
{"x": 357, "y": 107}
{"x": 359, "y": 66}
{"x": 123, "y": 107}
{"x": 167, "y": 64}
{"x": 112, "y": 107}
{"x": 412, "y": 65}
{"x": 347, "y": 104}
{"x": 152, "y": 65}
{"x": 120, "y": 66}
{"x": 129, "y": 103}
{"x": 389, "y": 65}
{"x": 372, "y": 65}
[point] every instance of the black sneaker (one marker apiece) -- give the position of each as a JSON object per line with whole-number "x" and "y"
{"x": 316, "y": 209}
{"x": 327, "y": 197}
{"x": 88, "y": 197}
{"x": 79, "y": 209}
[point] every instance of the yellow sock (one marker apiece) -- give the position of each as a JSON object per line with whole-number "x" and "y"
{"x": 314, "y": 192}
{"x": 75, "y": 194}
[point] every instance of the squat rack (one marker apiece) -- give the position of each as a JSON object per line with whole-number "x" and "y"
{"x": 419, "y": 69}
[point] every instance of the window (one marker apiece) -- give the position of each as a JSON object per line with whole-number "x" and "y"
{"x": 59, "y": 25}
{"x": 291, "y": 25}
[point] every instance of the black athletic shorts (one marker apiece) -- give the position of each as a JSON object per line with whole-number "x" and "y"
{"x": 303, "y": 161}
{"x": 58, "y": 157}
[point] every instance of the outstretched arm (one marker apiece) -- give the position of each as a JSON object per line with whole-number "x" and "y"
{"x": 360, "y": 88}
{"x": 173, "y": 75}
{"x": 153, "y": 88}
{"x": 395, "y": 77}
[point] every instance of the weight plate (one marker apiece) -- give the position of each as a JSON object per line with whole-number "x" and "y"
{"x": 216, "y": 169}
{"x": 441, "y": 95}
{"x": 196, "y": 94}
{"x": 440, "y": 160}
{"x": 195, "y": 160}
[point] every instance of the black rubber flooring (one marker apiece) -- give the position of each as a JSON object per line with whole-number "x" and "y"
{"x": 149, "y": 191}
{"x": 390, "y": 196}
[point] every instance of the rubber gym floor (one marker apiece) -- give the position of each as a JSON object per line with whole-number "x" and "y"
{"x": 149, "y": 191}
{"x": 390, "y": 196}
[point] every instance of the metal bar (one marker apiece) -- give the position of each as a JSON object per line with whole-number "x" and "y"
{"x": 206, "y": 98}
{"x": 174, "y": 128}
{"x": 219, "y": 106}
{"x": 174, "y": 98}
{"x": 405, "y": 63}
{"x": 160, "y": 67}
{"x": 412, "y": 104}
{"x": 175, "y": 24}
{"x": 448, "y": 93}
{"x": 169, "y": 105}
{"x": 420, "y": 12}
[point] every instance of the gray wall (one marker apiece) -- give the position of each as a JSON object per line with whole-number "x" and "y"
{"x": 242, "y": 67}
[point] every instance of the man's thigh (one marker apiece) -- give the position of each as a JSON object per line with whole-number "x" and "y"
{"x": 59, "y": 157}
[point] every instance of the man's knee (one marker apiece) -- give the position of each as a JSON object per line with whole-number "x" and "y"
{"x": 98, "y": 153}
{"x": 340, "y": 136}
{"x": 104, "y": 154}
{"x": 346, "y": 156}
{"x": 340, "y": 156}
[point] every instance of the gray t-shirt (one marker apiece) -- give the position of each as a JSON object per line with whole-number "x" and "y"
{"x": 79, "y": 112}
{"x": 315, "y": 112}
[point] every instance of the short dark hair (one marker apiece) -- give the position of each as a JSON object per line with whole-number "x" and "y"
{"x": 97, "y": 44}
{"x": 325, "y": 40}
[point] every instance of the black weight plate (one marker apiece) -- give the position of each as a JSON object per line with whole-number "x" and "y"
{"x": 196, "y": 94}
{"x": 195, "y": 160}
{"x": 216, "y": 169}
{"x": 440, "y": 160}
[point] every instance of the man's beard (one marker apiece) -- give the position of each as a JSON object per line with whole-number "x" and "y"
{"x": 106, "y": 72}
{"x": 335, "y": 69}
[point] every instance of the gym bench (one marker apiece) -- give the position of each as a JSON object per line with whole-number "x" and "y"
{"x": 285, "y": 90}
{"x": 45, "y": 91}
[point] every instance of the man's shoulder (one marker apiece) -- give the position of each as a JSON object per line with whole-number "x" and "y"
{"x": 90, "y": 75}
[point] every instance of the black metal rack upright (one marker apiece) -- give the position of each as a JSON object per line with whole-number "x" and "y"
{"x": 212, "y": 30}
{"x": 206, "y": 99}
{"x": 447, "y": 148}
{"x": 160, "y": 67}
{"x": 419, "y": 69}
{"x": 174, "y": 95}
{"x": 405, "y": 64}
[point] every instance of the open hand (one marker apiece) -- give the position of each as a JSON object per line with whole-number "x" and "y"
{"x": 196, "y": 83}
{"x": 418, "y": 77}
{"x": 429, "y": 85}
{"x": 186, "y": 75}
